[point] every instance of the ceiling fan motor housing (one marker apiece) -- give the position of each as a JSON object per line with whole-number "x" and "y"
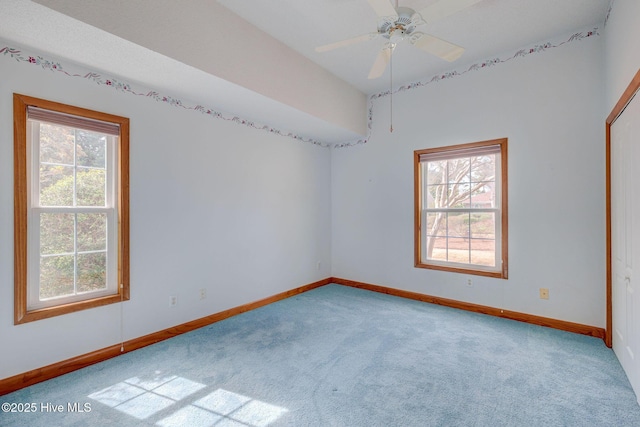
{"x": 396, "y": 29}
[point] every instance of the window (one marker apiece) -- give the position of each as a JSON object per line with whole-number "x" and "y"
{"x": 71, "y": 208}
{"x": 461, "y": 208}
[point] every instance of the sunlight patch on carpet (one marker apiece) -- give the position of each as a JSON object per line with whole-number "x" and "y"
{"x": 145, "y": 396}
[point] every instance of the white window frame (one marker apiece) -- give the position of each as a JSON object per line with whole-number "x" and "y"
{"x": 36, "y": 210}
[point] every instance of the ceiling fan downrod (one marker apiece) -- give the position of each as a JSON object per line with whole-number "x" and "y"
{"x": 391, "y": 89}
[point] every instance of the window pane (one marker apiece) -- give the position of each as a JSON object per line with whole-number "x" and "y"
{"x": 458, "y": 224}
{"x": 92, "y": 232}
{"x": 458, "y": 250}
{"x": 483, "y": 168}
{"x": 436, "y": 196}
{"x": 483, "y": 252}
{"x": 484, "y": 197}
{"x": 459, "y": 180}
{"x": 459, "y": 196}
{"x": 90, "y": 187}
{"x": 56, "y": 276}
{"x": 56, "y": 144}
{"x": 56, "y": 233}
{"x": 436, "y": 172}
{"x": 437, "y": 248}
{"x": 92, "y": 271}
{"x": 459, "y": 171}
{"x": 483, "y": 225}
{"x": 436, "y": 224}
{"x": 90, "y": 149}
{"x": 56, "y": 185}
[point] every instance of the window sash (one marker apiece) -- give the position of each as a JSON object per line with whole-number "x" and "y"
{"x": 497, "y": 233}
{"x": 35, "y": 211}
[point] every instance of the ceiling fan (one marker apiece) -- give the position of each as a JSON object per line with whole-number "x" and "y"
{"x": 399, "y": 23}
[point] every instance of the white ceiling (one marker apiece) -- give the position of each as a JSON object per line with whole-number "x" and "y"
{"x": 486, "y": 29}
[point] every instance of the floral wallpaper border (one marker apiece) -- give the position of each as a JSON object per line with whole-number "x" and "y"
{"x": 53, "y": 66}
{"x": 608, "y": 13}
{"x": 475, "y": 67}
{"x": 121, "y": 86}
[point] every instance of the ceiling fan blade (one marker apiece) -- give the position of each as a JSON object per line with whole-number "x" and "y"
{"x": 435, "y": 46}
{"x": 347, "y": 42}
{"x": 383, "y": 8}
{"x": 380, "y": 64}
{"x": 445, "y": 8}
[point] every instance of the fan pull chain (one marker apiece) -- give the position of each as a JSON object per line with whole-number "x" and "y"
{"x": 391, "y": 47}
{"x": 391, "y": 88}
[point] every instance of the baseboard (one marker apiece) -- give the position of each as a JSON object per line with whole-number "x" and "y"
{"x": 35, "y": 376}
{"x": 492, "y": 311}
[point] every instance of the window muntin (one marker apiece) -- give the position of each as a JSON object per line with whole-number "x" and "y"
{"x": 461, "y": 208}
{"x": 71, "y": 210}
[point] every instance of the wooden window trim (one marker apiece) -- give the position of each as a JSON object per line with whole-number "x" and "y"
{"x": 417, "y": 185}
{"x": 21, "y": 313}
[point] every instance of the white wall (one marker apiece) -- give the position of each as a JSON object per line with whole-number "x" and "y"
{"x": 622, "y": 52}
{"x": 550, "y": 106}
{"x": 216, "y": 205}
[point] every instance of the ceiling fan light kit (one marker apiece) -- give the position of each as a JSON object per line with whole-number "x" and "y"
{"x": 395, "y": 28}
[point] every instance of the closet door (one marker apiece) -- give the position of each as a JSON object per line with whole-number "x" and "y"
{"x": 625, "y": 240}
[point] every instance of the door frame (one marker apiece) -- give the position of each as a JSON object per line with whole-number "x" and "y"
{"x": 624, "y": 100}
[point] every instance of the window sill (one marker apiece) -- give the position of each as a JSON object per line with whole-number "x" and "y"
{"x": 472, "y": 271}
{"x": 22, "y": 315}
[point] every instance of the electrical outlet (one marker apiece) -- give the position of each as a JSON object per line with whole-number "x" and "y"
{"x": 203, "y": 293}
{"x": 318, "y": 265}
{"x": 544, "y": 293}
{"x": 469, "y": 282}
{"x": 173, "y": 300}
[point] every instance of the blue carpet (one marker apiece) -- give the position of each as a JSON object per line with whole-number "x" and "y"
{"x": 339, "y": 356}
